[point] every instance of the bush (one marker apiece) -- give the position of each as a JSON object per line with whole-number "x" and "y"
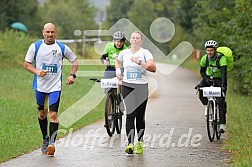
{"x": 13, "y": 47}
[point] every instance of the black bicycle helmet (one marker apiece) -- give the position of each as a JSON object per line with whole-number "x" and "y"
{"x": 119, "y": 35}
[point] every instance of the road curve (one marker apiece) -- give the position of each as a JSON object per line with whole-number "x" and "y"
{"x": 175, "y": 134}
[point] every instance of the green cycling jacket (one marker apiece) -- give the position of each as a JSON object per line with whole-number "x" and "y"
{"x": 113, "y": 52}
{"x": 212, "y": 69}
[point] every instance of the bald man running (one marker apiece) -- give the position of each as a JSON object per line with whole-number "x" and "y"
{"x": 44, "y": 59}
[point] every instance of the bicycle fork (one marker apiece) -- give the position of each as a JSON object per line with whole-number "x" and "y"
{"x": 214, "y": 108}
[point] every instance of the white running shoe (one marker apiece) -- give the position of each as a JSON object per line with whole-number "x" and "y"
{"x": 222, "y": 128}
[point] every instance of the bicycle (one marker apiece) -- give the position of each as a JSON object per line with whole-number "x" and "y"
{"x": 213, "y": 118}
{"x": 113, "y": 113}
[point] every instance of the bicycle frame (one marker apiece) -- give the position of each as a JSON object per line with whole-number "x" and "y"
{"x": 113, "y": 116}
{"x": 212, "y": 111}
{"x": 213, "y": 99}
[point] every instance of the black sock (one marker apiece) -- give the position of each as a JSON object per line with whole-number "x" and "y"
{"x": 53, "y": 131}
{"x": 43, "y": 127}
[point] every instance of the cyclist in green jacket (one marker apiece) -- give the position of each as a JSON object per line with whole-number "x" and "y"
{"x": 213, "y": 69}
{"x": 111, "y": 52}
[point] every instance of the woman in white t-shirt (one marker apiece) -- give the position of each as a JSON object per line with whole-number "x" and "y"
{"x": 136, "y": 62}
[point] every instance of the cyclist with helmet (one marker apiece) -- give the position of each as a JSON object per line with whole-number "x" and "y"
{"x": 213, "y": 69}
{"x": 111, "y": 52}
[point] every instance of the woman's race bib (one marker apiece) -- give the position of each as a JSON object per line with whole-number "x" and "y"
{"x": 134, "y": 75}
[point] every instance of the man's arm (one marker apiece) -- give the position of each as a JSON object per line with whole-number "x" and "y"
{"x": 71, "y": 78}
{"x": 118, "y": 64}
{"x": 74, "y": 66}
{"x": 104, "y": 59}
{"x": 29, "y": 67}
{"x": 149, "y": 65}
{"x": 203, "y": 73}
{"x": 223, "y": 70}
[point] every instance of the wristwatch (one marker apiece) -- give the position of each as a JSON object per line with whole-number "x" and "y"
{"x": 140, "y": 62}
{"x": 73, "y": 75}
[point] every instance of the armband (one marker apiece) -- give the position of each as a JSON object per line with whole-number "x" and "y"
{"x": 118, "y": 71}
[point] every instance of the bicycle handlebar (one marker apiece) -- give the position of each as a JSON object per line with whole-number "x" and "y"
{"x": 95, "y": 79}
{"x": 106, "y": 82}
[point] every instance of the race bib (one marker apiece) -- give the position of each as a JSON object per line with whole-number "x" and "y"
{"x": 211, "y": 92}
{"x": 109, "y": 83}
{"x": 51, "y": 68}
{"x": 133, "y": 75}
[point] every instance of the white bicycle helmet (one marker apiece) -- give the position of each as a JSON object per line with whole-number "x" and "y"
{"x": 211, "y": 44}
{"x": 119, "y": 35}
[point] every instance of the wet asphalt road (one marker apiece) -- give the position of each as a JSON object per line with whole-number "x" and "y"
{"x": 175, "y": 134}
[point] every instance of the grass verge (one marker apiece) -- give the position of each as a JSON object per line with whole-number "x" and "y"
{"x": 239, "y": 125}
{"x": 20, "y": 131}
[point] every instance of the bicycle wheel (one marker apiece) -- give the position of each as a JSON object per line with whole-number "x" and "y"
{"x": 217, "y": 116}
{"x": 109, "y": 121}
{"x": 118, "y": 115}
{"x": 210, "y": 121}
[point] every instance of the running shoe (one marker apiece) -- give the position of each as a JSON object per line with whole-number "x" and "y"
{"x": 51, "y": 149}
{"x": 139, "y": 147}
{"x": 222, "y": 128}
{"x": 45, "y": 145}
{"x": 130, "y": 149}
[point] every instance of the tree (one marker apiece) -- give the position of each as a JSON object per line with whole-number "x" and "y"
{"x": 169, "y": 9}
{"x": 117, "y": 10}
{"x": 229, "y": 22}
{"x": 185, "y": 14}
{"x": 142, "y": 15}
{"x": 69, "y": 16}
{"x": 240, "y": 39}
{"x": 209, "y": 19}
{"x": 21, "y": 11}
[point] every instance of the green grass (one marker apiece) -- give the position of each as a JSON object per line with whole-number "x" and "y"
{"x": 191, "y": 64}
{"x": 239, "y": 125}
{"x": 20, "y": 131}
